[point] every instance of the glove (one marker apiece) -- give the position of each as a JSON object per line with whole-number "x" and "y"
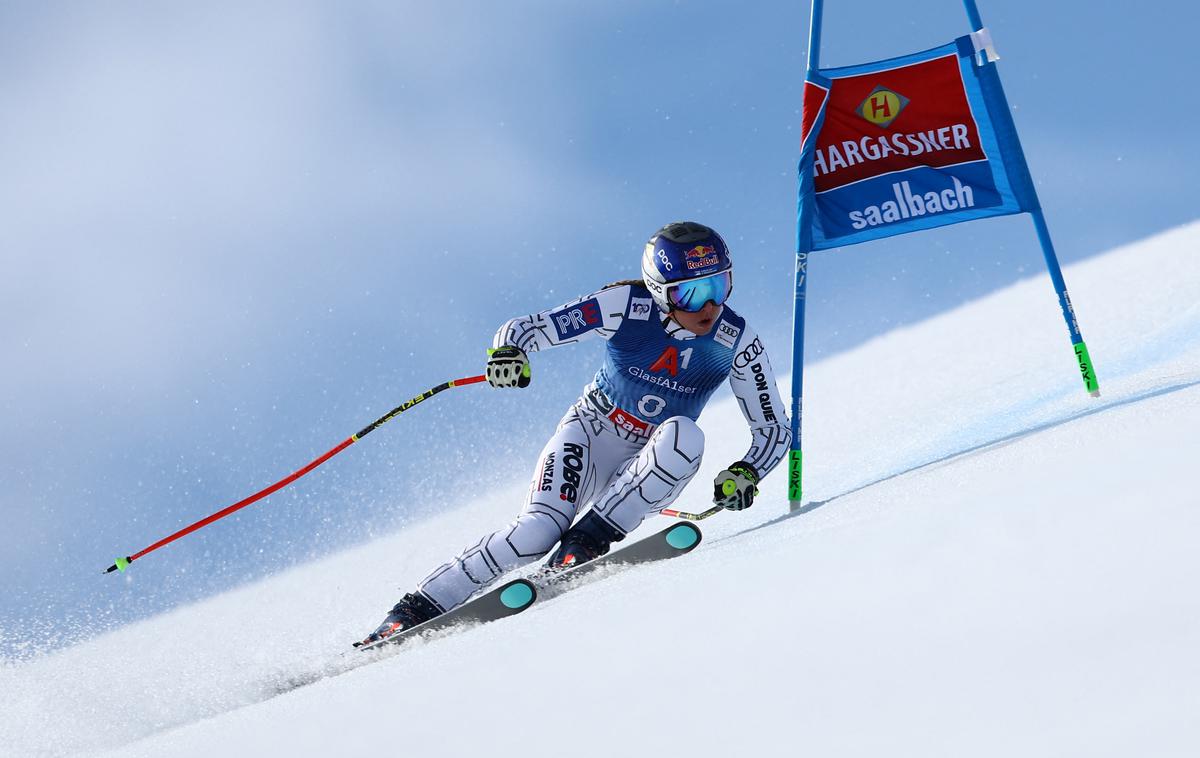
{"x": 508, "y": 366}
{"x": 735, "y": 487}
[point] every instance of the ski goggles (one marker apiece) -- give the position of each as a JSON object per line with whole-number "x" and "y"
{"x": 692, "y": 295}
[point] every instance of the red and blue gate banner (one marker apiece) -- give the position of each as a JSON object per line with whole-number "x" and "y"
{"x": 899, "y": 145}
{"x": 909, "y": 143}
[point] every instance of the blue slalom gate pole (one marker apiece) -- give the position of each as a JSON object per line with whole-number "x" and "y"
{"x": 1086, "y": 369}
{"x": 973, "y": 15}
{"x": 796, "y": 456}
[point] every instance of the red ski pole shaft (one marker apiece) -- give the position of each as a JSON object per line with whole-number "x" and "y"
{"x": 122, "y": 563}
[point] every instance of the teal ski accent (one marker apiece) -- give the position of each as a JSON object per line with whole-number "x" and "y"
{"x": 683, "y": 536}
{"x": 517, "y": 596}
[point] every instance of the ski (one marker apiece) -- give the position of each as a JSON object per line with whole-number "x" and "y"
{"x": 507, "y": 600}
{"x": 517, "y": 595}
{"x": 672, "y": 542}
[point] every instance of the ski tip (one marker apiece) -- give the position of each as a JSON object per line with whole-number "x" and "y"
{"x": 518, "y": 594}
{"x": 683, "y": 536}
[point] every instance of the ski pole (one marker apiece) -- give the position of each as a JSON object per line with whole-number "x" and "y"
{"x": 122, "y": 563}
{"x": 692, "y": 516}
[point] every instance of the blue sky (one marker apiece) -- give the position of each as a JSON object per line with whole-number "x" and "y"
{"x": 232, "y": 233}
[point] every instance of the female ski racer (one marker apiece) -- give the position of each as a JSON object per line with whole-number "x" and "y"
{"x": 630, "y": 444}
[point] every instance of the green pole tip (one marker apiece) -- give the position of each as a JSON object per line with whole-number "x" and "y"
{"x": 119, "y": 565}
{"x": 1086, "y": 370}
{"x": 795, "y": 471}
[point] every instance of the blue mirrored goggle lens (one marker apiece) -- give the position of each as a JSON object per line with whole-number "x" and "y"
{"x": 691, "y": 296}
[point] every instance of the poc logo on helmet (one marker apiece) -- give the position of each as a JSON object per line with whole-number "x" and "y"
{"x": 666, "y": 262}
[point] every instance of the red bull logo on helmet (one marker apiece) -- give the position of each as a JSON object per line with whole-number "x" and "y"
{"x": 701, "y": 256}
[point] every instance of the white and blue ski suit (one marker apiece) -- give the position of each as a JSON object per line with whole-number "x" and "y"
{"x": 630, "y": 444}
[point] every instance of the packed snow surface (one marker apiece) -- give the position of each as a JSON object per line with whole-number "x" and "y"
{"x": 989, "y": 562}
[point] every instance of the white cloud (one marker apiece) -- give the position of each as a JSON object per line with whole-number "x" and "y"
{"x": 167, "y": 168}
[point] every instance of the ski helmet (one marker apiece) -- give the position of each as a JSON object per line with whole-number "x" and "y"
{"x": 686, "y": 265}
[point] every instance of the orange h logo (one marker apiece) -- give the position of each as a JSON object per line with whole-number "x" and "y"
{"x": 882, "y": 106}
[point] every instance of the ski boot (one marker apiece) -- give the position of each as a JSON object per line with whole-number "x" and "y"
{"x": 588, "y": 539}
{"x": 412, "y": 609}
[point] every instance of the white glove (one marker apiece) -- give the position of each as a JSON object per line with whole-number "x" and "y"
{"x": 508, "y": 366}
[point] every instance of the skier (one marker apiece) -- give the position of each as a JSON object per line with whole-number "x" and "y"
{"x": 630, "y": 444}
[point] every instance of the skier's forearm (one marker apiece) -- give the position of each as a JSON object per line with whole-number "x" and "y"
{"x": 768, "y": 447}
{"x": 753, "y": 383}
{"x": 595, "y": 315}
{"x": 525, "y": 332}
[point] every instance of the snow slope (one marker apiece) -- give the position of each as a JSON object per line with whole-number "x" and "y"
{"x": 989, "y": 563}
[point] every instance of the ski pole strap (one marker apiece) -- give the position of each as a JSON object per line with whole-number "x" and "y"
{"x": 123, "y": 563}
